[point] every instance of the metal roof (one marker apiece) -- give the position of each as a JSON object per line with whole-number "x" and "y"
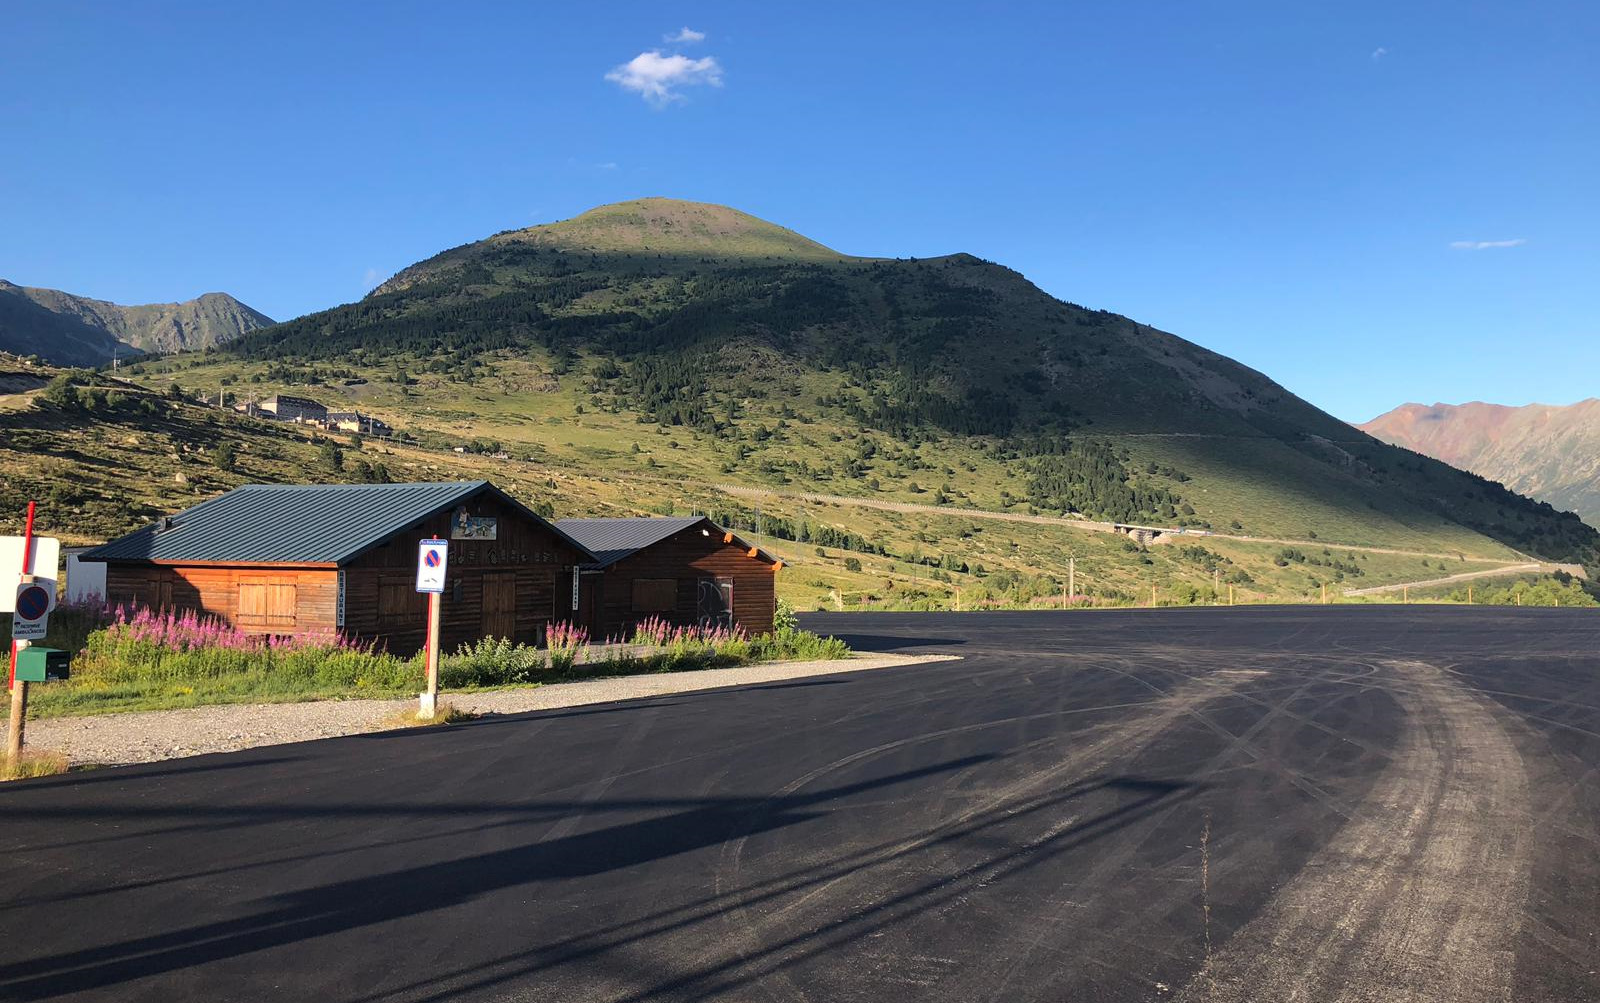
{"x": 297, "y": 523}
{"x": 610, "y": 540}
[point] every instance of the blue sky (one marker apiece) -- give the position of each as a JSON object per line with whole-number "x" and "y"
{"x": 1300, "y": 186}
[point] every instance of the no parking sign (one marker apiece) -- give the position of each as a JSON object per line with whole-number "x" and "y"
{"x": 31, "y": 620}
{"x": 432, "y": 557}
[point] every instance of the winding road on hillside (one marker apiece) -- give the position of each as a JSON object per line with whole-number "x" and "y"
{"x": 1324, "y": 803}
{"x": 1173, "y": 533}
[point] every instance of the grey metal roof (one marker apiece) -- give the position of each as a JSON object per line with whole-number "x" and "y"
{"x": 297, "y": 523}
{"x": 610, "y": 540}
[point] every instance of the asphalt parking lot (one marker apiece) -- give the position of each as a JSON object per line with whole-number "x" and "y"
{"x": 1322, "y": 803}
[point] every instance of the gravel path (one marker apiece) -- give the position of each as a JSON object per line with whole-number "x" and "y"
{"x": 148, "y": 736}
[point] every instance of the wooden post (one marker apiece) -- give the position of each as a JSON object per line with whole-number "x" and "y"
{"x": 1405, "y": 593}
{"x": 958, "y": 598}
{"x": 1063, "y": 597}
{"x": 1152, "y": 597}
{"x": 1230, "y": 594}
{"x": 1072, "y": 577}
{"x": 1324, "y": 593}
{"x": 1469, "y": 595}
{"x": 1216, "y": 583}
{"x": 430, "y": 697}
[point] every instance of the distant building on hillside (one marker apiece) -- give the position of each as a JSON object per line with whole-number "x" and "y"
{"x": 355, "y": 421}
{"x": 286, "y": 408}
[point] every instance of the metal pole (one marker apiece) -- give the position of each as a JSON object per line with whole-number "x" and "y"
{"x": 19, "y": 687}
{"x": 430, "y": 697}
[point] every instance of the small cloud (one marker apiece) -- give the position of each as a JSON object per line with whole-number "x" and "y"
{"x": 1379, "y": 53}
{"x": 660, "y": 79}
{"x": 609, "y": 165}
{"x": 684, "y": 36}
{"x": 371, "y": 278}
{"x": 1484, "y": 245}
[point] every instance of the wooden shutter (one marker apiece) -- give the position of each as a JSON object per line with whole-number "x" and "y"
{"x": 268, "y": 604}
{"x": 655, "y": 595}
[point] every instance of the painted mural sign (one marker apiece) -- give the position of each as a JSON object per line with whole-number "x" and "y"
{"x": 473, "y": 527}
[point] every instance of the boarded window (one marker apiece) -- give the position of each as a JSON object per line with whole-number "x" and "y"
{"x": 267, "y": 604}
{"x": 655, "y": 595}
{"x": 399, "y": 601}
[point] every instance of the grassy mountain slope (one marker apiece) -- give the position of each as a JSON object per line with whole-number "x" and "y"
{"x": 115, "y": 454}
{"x": 950, "y": 376}
{"x": 76, "y": 330}
{"x": 1548, "y": 452}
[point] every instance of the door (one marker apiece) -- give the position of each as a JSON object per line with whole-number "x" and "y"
{"x": 714, "y": 602}
{"x": 500, "y": 604}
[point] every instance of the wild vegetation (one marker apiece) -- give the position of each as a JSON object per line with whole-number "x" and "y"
{"x": 143, "y": 660}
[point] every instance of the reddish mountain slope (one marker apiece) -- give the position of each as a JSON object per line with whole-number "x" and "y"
{"x": 1548, "y": 451}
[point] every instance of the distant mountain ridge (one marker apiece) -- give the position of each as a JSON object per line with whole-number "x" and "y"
{"x": 1551, "y": 452}
{"x": 67, "y": 329}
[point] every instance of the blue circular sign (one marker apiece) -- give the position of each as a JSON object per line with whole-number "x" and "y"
{"x": 431, "y": 559}
{"x": 33, "y": 602}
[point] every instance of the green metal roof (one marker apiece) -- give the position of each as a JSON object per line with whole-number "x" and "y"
{"x": 299, "y": 523}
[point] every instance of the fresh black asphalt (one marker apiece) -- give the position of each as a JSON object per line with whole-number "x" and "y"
{"x": 1119, "y": 805}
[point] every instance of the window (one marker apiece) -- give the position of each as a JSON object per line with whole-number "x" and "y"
{"x": 655, "y": 595}
{"x": 267, "y": 604}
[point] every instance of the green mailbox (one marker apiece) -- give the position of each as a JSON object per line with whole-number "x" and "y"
{"x": 37, "y": 665}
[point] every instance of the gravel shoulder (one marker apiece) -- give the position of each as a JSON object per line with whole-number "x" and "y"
{"x": 150, "y": 736}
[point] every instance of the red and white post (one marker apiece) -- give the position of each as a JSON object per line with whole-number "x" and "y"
{"x": 19, "y": 687}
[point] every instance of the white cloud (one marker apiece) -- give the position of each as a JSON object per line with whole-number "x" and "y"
{"x": 1379, "y": 52}
{"x": 609, "y": 165}
{"x": 371, "y": 278}
{"x": 685, "y": 36}
{"x": 1484, "y": 245}
{"x": 660, "y": 79}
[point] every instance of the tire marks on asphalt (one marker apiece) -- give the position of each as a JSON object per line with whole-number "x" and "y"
{"x": 1420, "y": 895}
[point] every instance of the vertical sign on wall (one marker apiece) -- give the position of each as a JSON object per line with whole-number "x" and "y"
{"x": 574, "y": 590}
{"x": 339, "y": 620}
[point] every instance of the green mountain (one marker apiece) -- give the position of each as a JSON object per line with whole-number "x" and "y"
{"x": 75, "y": 330}
{"x": 706, "y": 319}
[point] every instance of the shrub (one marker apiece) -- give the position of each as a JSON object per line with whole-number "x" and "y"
{"x": 785, "y": 618}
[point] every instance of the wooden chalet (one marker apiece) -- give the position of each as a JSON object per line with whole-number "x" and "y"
{"x": 288, "y": 559}
{"x": 685, "y": 570}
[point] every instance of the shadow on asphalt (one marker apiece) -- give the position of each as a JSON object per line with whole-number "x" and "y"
{"x": 698, "y": 823}
{"x": 869, "y": 643}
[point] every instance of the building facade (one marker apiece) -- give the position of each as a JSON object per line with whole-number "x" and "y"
{"x": 278, "y": 559}
{"x": 684, "y": 570}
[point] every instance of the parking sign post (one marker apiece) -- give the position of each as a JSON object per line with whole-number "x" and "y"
{"x": 433, "y": 558}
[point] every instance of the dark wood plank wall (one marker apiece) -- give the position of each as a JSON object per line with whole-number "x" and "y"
{"x": 214, "y": 591}
{"x": 541, "y": 562}
{"x": 687, "y": 557}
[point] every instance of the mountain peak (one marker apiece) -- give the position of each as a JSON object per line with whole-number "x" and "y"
{"x": 673, "y": 227}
